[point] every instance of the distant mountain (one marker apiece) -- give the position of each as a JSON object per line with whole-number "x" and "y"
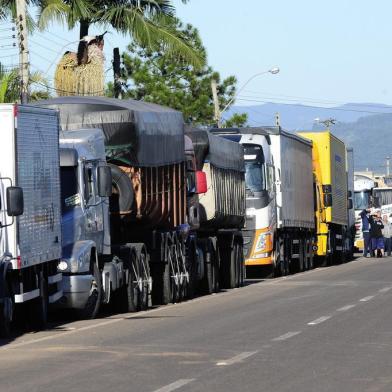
{"x": 298, "y": 116}
{"x": 370, "y": 134}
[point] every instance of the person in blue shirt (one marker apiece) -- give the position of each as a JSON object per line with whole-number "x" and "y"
{"x": 365, "y": 216}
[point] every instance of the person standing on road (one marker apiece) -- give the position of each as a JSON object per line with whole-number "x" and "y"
{"x": 377, "y": 240}
{"x": 365, "y": 215}
{"x": 387, "y": 233}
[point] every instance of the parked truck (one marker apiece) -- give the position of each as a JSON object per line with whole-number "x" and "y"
{"x": 260, "y": 217}
{"x": 141, "y": 251}
{"x": 280, "y": 217}
{"x": 138, "y": 248}
{"x": 216, "y": 242}
{"x": 363, "y": 188}
{"x": 331, "y": 195}
{"x": 29, "y": 214}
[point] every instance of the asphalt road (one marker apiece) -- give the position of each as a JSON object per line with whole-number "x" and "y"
{"x": 324, "y": 330}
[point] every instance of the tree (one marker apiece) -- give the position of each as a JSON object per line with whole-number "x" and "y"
{"x": 10, "y": 86}
{"x": 148, "y": 22}
{"x": 236, "y": 120}
{"x": 155, "y": 77}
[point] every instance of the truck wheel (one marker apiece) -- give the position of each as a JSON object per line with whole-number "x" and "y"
{"x": 209, "y": 284}
{"x": 216, "y": 264}
{"x": 93, "y": 302}
{"x": 145, "y": 276}
{"x": 228, "y": 268}
{"x": 38, "y": 307}
{"x": 241, "y": 265}
{"x": 302, "y": 255}
{"x": 6, "y": 312}
{"x": 191, "y": 266}
{"x": 283, "y": 265}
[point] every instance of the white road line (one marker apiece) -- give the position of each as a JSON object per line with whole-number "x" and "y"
{"x": 347, "y": 307}
{"x": 319, "y": 320}
{"x": 384, "y": 290}
{"x": 175, "y": 385}
{"x": 286, "y": 336}
{"x": 237, "y": 358}
{"x": 365, "y": 299}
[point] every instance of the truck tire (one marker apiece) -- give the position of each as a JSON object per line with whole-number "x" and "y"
{"x": 277, "y": 256}
{"x": 240, "y": 264}
{"x": 228, "y": 268}
{"x": 164, "y": 288}
{"x": 122, "y": 188}
{"x": 6, "y": 312}
{"x": 126, "y": 298}
{"x": 302, "y": 256}
{"x": 93, "y": 303}
{"x": 192, "y": 268}
{"x": 145, "y": 276}
{"x": 209, "y": 284}
{"x": 38, "y": 307}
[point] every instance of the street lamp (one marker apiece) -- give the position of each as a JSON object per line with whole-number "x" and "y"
{"x": 272, "y": 71}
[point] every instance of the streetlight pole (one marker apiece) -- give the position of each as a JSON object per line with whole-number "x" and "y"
{"x": 272, "y": 71}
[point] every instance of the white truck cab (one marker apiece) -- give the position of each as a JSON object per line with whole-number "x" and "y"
{"x": 260, "y": 182}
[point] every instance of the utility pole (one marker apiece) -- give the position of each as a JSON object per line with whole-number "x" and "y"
{"x": 117, "y": 73}
{"x": 217, "y": 114}
{"x": 23, "y": 50}
{"x": 388, "y": 167}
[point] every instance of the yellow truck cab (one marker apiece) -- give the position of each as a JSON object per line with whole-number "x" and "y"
{"x": 331, "y": 195}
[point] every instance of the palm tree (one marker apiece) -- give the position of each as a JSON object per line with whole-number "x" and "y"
{"x": 10, "y": 86}
{"x": 148, "y": 22}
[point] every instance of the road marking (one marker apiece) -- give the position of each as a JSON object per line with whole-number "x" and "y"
{"x": 365, "y": 299}
{"x": 286, "y": 336}
{"x": 347, "y": 307}
{"x": 237, "y": 358}
{"x": 175, "y": 385}
{"x": 319, "y": 320}
{"x": 384, "y": 290}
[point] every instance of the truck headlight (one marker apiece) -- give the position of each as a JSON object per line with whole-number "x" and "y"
{"x": 62, "y": 265}
{"x": 262, "y": 241}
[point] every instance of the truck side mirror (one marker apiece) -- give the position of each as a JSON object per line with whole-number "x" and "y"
{"x": 201, "y": 182}
{"x": 350, "y": 204}
{"x": 327, "y": 199}
{"x": 15, "y": 203}
{"x": 349, "y": 194}
{"x": 104, "y": 181}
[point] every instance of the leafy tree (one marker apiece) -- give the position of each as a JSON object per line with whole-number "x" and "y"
{"x": 148, "y": 22}
{"x": 155, "y": 77}
{"x": 236, "y": 120}
{"x": 10, "y": 86}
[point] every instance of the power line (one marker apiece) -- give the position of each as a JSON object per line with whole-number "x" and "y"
{"x": 40, "y": 56}
{"x": 45, "y": 47}
{"x": 66, "y": 91}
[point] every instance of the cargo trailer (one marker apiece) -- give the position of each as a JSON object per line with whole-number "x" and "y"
{"x": 216, "y": 242}
{"x": 30, "y": 213}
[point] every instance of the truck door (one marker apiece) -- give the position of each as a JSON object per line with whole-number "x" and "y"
{"x": 92, "y": 202}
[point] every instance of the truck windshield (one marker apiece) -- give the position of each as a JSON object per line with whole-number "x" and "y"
{"x": 361, "y": 200}
{"x": 255, "y": 176}
{"x": 69, "y": 188}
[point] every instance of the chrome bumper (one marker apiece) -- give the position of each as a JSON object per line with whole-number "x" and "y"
{"x": 76, "y": 290}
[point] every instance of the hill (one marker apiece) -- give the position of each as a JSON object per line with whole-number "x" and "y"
{"x": 359, "y": 125}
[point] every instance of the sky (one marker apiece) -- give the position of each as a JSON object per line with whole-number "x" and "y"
{"x": 329, "y": 53}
